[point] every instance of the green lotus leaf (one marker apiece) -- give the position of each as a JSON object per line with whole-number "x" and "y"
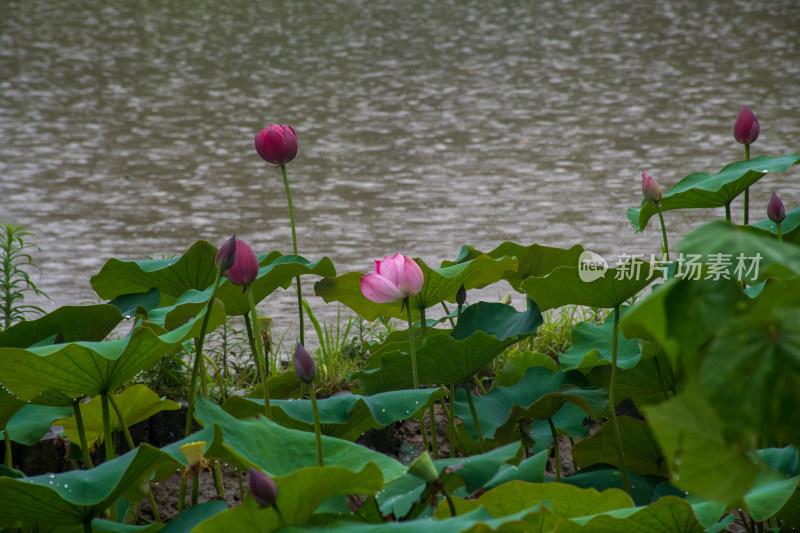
{"x": 9, "y": 404}
{"x": 514, "y": 367}
{"x": 473, "y": 473}
{"x": 194, "y": 516}
{"x": 31, "y": 422}
{"x": 534, "y": 260}
{"x": 602, "y": 478}
{"x": 751, "y": 374}
{"x": 770, "y": 493}
{"x": 299, "y": 494}
{"x": 274, "y": 449}
{"x": 591, "y": 346}
{"x": 455, "y": 358}
{"x": 90, "y": 368}
{"x": 566, "y": 501}
{"x": 346, "y": 416}
{"x": 683, "y": 315}
{"x": 195, "y": 269}
{"x": 642, "y": 454}
{"x": 666, "y": 515}
{"x": 69, "y": 324}
{"x": 790, "y": 227}
{"x": 564, "y": 286}
{"x": 138, "y": 304}
{"x": 441, "y": 284}
{"x": 530, "y": 470}
{"x": 703, "y": 190}
{"x": 653, "y": 380}
{"x": 540, "y": 395}
{"x": 738, "y": 254}
{"x": 698, "y": 455}
{"x": 137, "y": 403}
{"x": 78, "y": 496}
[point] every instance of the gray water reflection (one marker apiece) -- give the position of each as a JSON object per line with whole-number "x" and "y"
{"x": 126, "y": 129}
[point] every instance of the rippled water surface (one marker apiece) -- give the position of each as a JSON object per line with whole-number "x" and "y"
{"x": 126, "y": 128}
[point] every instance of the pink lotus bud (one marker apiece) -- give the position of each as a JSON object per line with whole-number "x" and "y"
{"x": 650, "y": 188}
{"x": 245, "y": 268}
{"x": 277, "y": 144}
{"x": 262, "y": 487}
{"x": 746, "y": 129}
{"x": 775, "y": 209}
{"x": 395, "y": 278}
{"x": 226, "y": 256}
{"x": 304, "y": 365}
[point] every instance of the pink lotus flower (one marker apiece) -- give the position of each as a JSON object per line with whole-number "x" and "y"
{"x": 245, "y": 268}
{"x": 775, "y": 209}
{"x": 395, "y": 278}
{"x": 650, "y": 188}
{"x": 276, "y": 144}
{"x": 226, "y": 256}
{"x": 746, "y": 129}
{"x": 304, "y": 365}
{"x": 262, "y": 487}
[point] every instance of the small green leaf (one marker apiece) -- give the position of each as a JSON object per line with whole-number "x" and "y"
{"x": 31, "y": 422}
{"x": 514, "y": 367}
{"x": 591, "y": 346}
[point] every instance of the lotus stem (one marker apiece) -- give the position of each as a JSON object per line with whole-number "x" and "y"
{"x": 216, "y": 473}
{"x": 728, "y": 211}
{"x": 317, "y": 430}
{"x": 195, "y": 487}
{"x": 451, "y": 426}
{"x": 665, "y": 247}
{"x": 423, "y": 322}
{"x": 449, "y": 499}
{"x": 475, "y": 417}
{"x": 198, "y": 356}
{"x": 109, "y": 446}
{"x": 7, "y": 442}
{"x": 780, "y": 233}
{"x": 423, "y": 430}
{"x": 87, "y": 526}
{"x": 294, "y": 249}
{"x": 447, "y": 312}
{"x": 412, "y": 347}
{"x": 182, "y": 497}
{"x": 87, "y": 457}
{"x": 612, "y": 404}
{"x": 557, "y": 465}
{"x": 131, "y": 446}
{"x": 434, "y": 439}
{"x": 747, "y": 190}
{"x": 259, "y": 350}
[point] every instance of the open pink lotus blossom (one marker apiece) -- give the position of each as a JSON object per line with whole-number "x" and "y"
{"x": 746, "y": 129}
{"x": 395, "y": 278}
{"x": 276, "y": 144}
{"x": 245, "y": 268}
{"x": 650, "y": 188}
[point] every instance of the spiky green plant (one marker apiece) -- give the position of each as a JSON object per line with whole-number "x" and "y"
{"x": 15, "y": 281}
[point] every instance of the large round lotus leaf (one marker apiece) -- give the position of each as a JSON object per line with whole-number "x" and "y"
{"x": 65, "y": 324}
{"x": 703, "y": 190}
{"x": 642, "y": 454}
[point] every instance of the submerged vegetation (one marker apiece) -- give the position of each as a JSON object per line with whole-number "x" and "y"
{"x": 671, "y": 380}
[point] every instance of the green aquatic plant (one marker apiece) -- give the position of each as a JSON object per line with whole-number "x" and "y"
{"x": 15, "y": 280}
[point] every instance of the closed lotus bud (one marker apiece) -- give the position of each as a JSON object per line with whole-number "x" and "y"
{"x": 262, "y": 487}
{"x": 226, "y": 256}
{"x": 775, "y": 209}
{"x": 245, "y": 268}
{"x": 304, "y": 365}
{"x": 746, "y": 129}
{"x": 276, "y": 144}
{"x": 461, "y": 296}
{"x": 650, "y": 188}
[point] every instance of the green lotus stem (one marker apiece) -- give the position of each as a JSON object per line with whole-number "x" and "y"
{"x": 216, "y": 474}
{"x": 449, "y": 499}
{"x": 434, "y": 439}
{"x": 259, "y": 351}
{"x": 665, "y": 248}
{"x": 223, "y": 391}
{"x": 131, "y": 446}
{"x": 747, "y": 190}
{"x": 612, "y": 404}
{"x": 109, "y": 446}
{"x": 195, "y": 487}
{"x": 447, "y": 313}
{"x": 478, "y": 383}
{"x": 728, "y": 211}
{"x": 87, "y": 457}
{"x": 317, "y": 430}
{"x": 423, "y": 430}
{"x": 251, "y": 340}
{"x": 294, "y": 249}
{"x": 780, "y": 233}
{"x": 475, "y": 417}
{"x": 451, "y": 421}
{"x": 423, "y": 322}
{"x": 661, "y": 378}
{"x": 413, "y": 348}
{"x": 198, "y": 357}
{"x": 280, "y": 515}
{"x": 87, "y": 526}
{"x": 202, "y": 372}
{"x": 7, "y": 442}
{"x": 182, "y": 497}
{"x": 557, "y": 465}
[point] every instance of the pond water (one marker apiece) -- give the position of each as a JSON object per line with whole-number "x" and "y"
{"x": 126, "y": 129}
